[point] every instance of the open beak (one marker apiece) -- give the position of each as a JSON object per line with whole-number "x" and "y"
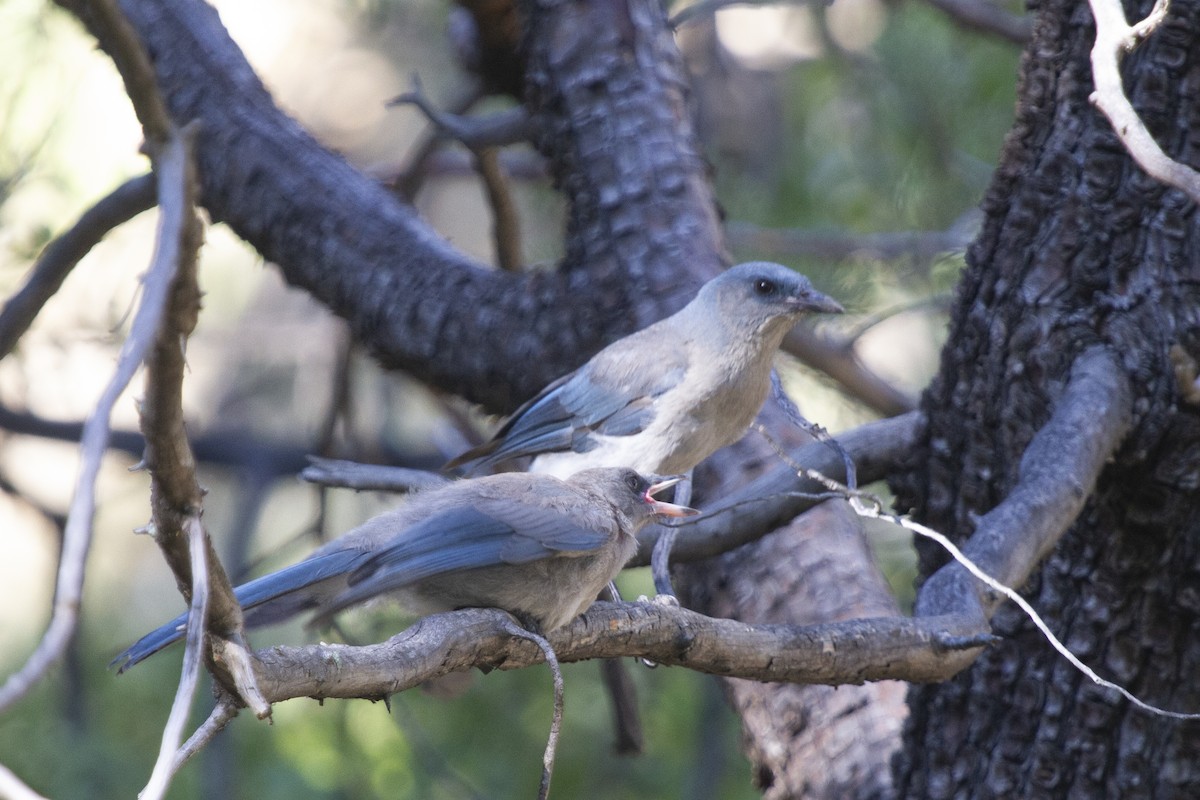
{"x": 662, "y": 507}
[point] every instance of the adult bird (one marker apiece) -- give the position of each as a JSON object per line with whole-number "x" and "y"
{"x": 536, "y": 546}
{"x": 666, "y": 397}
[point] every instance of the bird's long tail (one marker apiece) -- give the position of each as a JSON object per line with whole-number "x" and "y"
{"x": 267, "y": 600}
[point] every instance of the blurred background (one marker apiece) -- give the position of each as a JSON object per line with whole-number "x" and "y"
{"x": 852, "y": 141}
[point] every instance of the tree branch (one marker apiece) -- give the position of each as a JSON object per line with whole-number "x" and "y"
{"x": 1114, "y": 38}
{"x": 176, "y": 498}
{"x": 1057, "y": 475}
{"x": 838, "y": 361}
{"x": 763, "y": 505}
{"x": 834, "y": 653}
{"x": 78, "y": 533}
{"x": 61, "y": 255}
{"x": 987, "y": 17}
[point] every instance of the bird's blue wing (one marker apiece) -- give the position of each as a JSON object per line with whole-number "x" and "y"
{"x": 497, "y": 532}
{"x": 266, "y": 600}
{"x": 608, "y": 395}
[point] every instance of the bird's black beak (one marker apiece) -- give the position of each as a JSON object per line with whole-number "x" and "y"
{"x": 663, "y": 508}
{"x": 812, "y": 300}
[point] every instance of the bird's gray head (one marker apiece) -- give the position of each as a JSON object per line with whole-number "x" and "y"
{"x": 761, "y": 295}
{"x": 631, "y": 494}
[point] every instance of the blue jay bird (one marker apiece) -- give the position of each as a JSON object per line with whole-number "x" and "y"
{"x": 536, "y": 546}
{"x": 663, "y": 399}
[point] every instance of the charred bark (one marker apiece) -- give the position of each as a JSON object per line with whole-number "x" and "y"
{"x": 1079, "y": 249}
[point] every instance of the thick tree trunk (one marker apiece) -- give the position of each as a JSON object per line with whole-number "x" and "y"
{"x": 1079, "y": 248}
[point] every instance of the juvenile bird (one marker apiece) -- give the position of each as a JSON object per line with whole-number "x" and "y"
{"x": 668, "y": 396}
{"x": 663, "y": 399}
{"x": 536, "y": 546}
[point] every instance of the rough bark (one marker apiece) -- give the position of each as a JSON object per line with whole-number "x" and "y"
{"x": 1079, "y": 248}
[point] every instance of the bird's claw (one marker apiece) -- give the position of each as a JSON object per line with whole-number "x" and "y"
{"x": 667, "y": 600}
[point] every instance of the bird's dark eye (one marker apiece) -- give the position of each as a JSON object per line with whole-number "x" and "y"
{"x": 634, "y": 481}
{"x": 764, "y": 287}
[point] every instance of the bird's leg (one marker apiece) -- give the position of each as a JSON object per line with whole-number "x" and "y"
{"x": 660, "y": 557}
{"x": 513, "y": 629}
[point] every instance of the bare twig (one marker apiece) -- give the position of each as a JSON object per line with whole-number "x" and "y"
{"x": 164, "y": 767}
{"x": 13, "y": 788}
{"x": 61, "y": 255}
{"x": 762, "y": 505}
{"x": 78, "y": 534}
{"x": 175, "y": 494}
{"x": 506, "y": 224}
{"x": 874, "y": 511}
{"x": 225, "y": 710}
{"x": 369, "y": 477}
{"x": 987, "y": 17}
{"x": 495, "y": 130}
{"x": 1114, "y": 38}
{"x": 814, "y": 430}
{"x": 483, "y": 136}
{"x": 838, "y": 361}
{"x": 513, "y": 629}
{"x": 408, "y": 182}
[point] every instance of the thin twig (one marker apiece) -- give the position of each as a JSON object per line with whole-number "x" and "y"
{"x": 516, "y": 630}
{"x": 64, "y": 253}
{"x": 225, "y": 710}
{"x": 164, "y": 767}
{"x": 838, "y": 361}
{"x": 1114, "y": 38}
{"x": 369, "y": 477}
{"x": 13, "y": 788}
{"x": 814, "y": 430}
{"x": 871, "y": 507}
{"x": 764, "y": 504}
{"x": 77, "y": 536}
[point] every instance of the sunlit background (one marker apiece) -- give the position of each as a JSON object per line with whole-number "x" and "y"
{"x": 823, "y": 125}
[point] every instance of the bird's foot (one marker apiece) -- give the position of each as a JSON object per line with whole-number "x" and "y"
{"x": 668, "y": 600}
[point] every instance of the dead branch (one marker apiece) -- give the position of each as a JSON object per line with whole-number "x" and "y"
{"x": 1057, "y": 474}
{"x": 175, "y": 494}
{"x": 13, "y": 788}
{"x": 61, "y": 255}
{"x": 833, "y": 653}
{"x": 164, "y": 766}
{"x": 1114, "y": 38}
{"x": 78, "y": 533}
{"x": 838, "y": 361}
{"x": 987, "y": 17}
{"x": 766, "y": 503}
{"x": 369, "y": 477}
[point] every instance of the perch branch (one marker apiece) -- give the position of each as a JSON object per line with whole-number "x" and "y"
{"x": 762, "y": 505}
{"x": 834, "y": 653}
{"x": 1114, "y": 38}
{"x": 61, "y": 255}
